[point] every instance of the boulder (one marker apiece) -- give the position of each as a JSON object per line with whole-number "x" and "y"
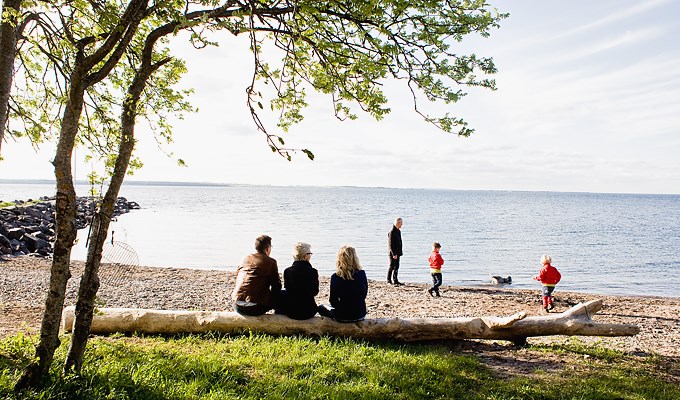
{"x": 31, "y": 228}
{"x": 33, "y": 212}
{"x": 44, "y": 207}
{"x": 5, "y": 245}
{"x": 14, "y": 244}
{"x": 15, "y": 233}
{"x": 34, "y": 243}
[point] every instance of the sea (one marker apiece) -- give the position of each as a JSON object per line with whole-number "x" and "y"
{"x": 626, "y": 244}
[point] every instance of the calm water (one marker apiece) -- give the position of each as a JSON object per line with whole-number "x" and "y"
{"x": 602, "y": 243}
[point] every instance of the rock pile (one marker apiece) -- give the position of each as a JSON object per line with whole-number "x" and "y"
{"x": 29, "y": 227}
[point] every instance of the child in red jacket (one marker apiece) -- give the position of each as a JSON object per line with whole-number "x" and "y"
{"x": 436, "y": 262}
{"x": 549, "y": 276}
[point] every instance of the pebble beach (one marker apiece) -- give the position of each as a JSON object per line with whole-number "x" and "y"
{"x": 24, "y": 281}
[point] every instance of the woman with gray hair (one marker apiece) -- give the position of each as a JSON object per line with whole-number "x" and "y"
{"x": 301, "y": 283}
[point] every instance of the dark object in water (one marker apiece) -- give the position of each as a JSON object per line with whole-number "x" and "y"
{"x": 499, "y": 280}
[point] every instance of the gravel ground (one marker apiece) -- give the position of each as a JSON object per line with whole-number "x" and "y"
{"x": 24, "y": 282}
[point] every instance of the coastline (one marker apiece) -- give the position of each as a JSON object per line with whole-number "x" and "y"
{"x": 24, "y": 282}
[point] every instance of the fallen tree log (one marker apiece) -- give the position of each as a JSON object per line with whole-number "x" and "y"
{"x": 515, "y": 328}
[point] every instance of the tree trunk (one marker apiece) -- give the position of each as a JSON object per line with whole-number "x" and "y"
{"x": 89, "y": 284}
{"x": 515, "y": 328}
{"x": 8, "y": 46}
{"x": 65, "y": 236}
{"x": 82, "y": 76}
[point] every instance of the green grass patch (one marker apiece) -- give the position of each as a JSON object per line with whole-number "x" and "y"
{"x": 261, "y": 366}
{"x": 575, "y": 346}
{"x": 5, "y": 204}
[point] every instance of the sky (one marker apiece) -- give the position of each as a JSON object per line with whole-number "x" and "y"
{"x": 588, "y": 100}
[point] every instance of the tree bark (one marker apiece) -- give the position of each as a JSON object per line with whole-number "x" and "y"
{"x": 82, "y": 76}
{"x": 8, "y": 47}
{"x": 515, "y": 328}
{"x": 65, "y": 236}
{"x": 89, "y": 284}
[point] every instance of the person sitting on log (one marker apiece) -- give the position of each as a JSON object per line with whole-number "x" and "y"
{"x": 349, "y": 288}
{"x": 257, "y": 281}
{"x": 301, "y": 284}
{"x": 549, "y": 276}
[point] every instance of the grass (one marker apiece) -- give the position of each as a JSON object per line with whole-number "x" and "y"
{"x": 261, "y": 366}
{"x": 5, "y": 204}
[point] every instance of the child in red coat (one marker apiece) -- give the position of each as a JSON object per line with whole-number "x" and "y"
{"x": 549, "y": 276}
{"x": 436, "y": 262}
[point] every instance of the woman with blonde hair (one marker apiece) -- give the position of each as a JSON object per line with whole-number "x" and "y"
{"x": 349, "y": 288}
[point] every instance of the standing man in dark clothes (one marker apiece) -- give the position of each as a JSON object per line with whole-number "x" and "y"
{"x": 394, "y": 245}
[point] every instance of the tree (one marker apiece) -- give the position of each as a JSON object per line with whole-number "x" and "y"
{"x": 8, "y": 42}
{"x": 343, "y": 49}
{"x": 89, "y": 285}
{"x": 11, "y": 29}
{"x": 93, "y": 59}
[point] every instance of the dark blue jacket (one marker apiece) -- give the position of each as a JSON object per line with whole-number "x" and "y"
{"x": 348, "y": 297}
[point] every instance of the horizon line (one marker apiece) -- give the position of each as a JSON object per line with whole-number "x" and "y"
{"x": 216, "y": 184}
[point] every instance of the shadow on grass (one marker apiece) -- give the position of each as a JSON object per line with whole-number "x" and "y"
{"x": 218, "y": 366}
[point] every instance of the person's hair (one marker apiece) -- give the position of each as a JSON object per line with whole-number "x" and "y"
{"x": 546, "y": 259}
{"x": 348, "y": 263}
{"x": 262, "y": 242}
{"x": 300, "y": 250}
{"x": 436, "y": 245}
{"x": 396, "y": 220}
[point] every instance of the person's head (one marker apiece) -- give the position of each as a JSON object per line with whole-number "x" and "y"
{"x": 263, "y": 244}
{"x": 398, "y": 223}
{"x": 302, "y": 251}
{"x": 436, "y": 246}
{"x": 546, "y": 259}
{"x": 348, "y": 262}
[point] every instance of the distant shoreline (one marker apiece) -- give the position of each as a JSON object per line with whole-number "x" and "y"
{"x": 214, "y": 184}
{"x": 131, "y": 183}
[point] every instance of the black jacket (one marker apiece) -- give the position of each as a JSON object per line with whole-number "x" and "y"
{"x": 394, "y": 242}
{"x": 301, "y": 281}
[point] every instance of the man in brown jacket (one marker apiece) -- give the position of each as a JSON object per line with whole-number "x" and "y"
{"x": 257, "y": 281}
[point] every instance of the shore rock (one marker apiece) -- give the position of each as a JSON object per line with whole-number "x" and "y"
{"x": 28, "y": 228}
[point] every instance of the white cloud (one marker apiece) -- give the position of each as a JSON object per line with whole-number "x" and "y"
{"x": 634, "y": 11}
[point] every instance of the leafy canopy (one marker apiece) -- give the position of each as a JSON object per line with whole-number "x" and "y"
{"x": 345, "y": 49}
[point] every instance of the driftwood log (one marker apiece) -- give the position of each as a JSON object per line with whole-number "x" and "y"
{"x": 515, "y": 328}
